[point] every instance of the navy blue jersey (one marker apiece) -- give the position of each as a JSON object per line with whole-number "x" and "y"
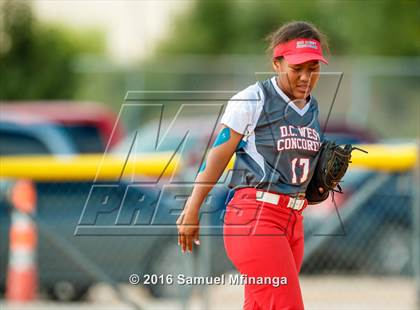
{"x": 281, "y": 141}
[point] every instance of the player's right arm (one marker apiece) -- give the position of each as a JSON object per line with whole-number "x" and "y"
{"x": 218, "y": 157}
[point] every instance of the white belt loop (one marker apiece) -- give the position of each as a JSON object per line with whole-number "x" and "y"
{"x": 294, "y": 202}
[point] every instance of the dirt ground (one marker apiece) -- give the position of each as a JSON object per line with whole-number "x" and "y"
{"x": 323, "y": 293}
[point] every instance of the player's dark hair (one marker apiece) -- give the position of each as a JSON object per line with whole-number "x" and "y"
{"x": 294, "y": 30}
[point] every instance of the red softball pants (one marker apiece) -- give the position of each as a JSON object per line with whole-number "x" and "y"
{"x": 265, "y": 240}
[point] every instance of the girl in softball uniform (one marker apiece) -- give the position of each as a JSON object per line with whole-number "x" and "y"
{"x": 273, "y": 128}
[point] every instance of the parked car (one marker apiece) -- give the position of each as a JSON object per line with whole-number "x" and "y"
{"x": 59, "y": 207}
{"x": 91, "y": 126}
{"x": 375, "y": 236}
{"x": 22, "y": 136}
{"x": 32, "y": 135}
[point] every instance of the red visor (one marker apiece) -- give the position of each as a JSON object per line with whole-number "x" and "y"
{"x": 300, "y": 50}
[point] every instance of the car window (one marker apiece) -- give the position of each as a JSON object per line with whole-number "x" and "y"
{"x": 170, "y": 143}
{"x": 86, "y": 139}
{"x": 12, "y": 143}
{"x": 146, "y": 143}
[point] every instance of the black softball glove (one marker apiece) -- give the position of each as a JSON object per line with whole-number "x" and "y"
{"x": 332, "y": 165}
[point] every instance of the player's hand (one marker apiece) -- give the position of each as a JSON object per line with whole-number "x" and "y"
{"x": 188, "y": 229}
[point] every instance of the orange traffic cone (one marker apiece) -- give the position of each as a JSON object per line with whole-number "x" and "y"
{"x": 22, "y": 276}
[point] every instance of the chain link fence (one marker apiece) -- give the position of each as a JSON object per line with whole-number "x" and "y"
{"x": 369, "y": 233}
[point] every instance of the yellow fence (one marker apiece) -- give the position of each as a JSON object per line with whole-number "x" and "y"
{"x": 107, "y": 167}
{"x": 88, "y": 167}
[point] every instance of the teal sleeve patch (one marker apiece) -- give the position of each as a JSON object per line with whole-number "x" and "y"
{"x": 203, "y": 166}
{"x": 222, "y": 137}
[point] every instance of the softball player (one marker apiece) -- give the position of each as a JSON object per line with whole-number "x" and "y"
{"x": 273, "y": 128}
